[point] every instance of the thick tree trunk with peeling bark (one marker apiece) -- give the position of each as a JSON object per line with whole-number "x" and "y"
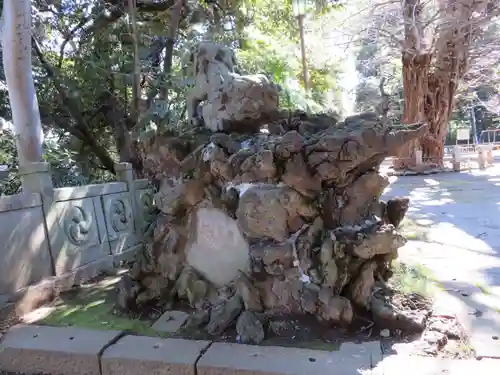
{"x": 16, "y": 44}
{"x": 415, "y": 73}
{"x": 438, "y": 108}
{"x": 428, "y": 99}
{"x": 430, "y": 78}
{"x": 416, "y": 63}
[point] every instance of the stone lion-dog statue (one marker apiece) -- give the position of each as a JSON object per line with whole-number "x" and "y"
{"x": 227, "y": 96}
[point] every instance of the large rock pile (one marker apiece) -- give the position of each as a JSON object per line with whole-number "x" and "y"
{"x": 287, "y": 221}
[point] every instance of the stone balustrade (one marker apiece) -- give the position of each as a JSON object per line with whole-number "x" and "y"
{"x": 73, "y": 232}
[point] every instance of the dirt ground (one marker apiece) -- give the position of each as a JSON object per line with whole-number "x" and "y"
{"x": 91, "y": 306}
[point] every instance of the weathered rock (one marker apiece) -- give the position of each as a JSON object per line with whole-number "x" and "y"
{"x": 268, "y": 298}
{"x": 446, "y": 325}
{"x": 229, "y": 199}
{"x": 163, "y": 156}
{"x": 334, "y": 308}
{"x": 326, "y": 251}
{"x": 225, "y": 141}
{"x": 157, "y": 285}
{"x": 250, "y": 328}
{"x": 299, "y": 178}
{"x": 435, "y": 338}
{"x": 330, "y": 274}
{"x": 170, "y": 265}
{"x": 264, "y": 211}
{"x": 308, "y": 238}
{"x": 276, "y": 258}
{"x": 228, "y": 97}
{"x": 176, "y": 194}
{"x": 127, "y": 291}
{"x": 287, "y": 290}
{"x": 388, "y": 316}
{"x": 192, "y": 287}
{"x": 224, "y": 314}
{"x": 360, "y": 290}
{"x": 248, "y": 293}
{"x": 197, "y": 319}
{"x": 361, "y": 197}
{"x": 296, "y": 209}
{"x": 258, "y": 167}
{"x": 383, "y": 241}
{"x": 218, "y": 250}
{"x": 309, "y": 298}
{"x": 291, "y": 143}
{"x": 395, "y": 210}
{"x": 220, "y": 168}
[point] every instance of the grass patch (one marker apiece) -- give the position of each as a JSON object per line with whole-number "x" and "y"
{"x": 91, "y": 307}
{"x": 313, "y": 345}
{"x": 414, "y": 232}
{"x": 417, "y": 279}
{"x": 484, "y": 289}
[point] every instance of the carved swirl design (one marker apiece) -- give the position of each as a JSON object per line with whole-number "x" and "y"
{"x": 78, "y": 225}
{"x": 120, "y": 215}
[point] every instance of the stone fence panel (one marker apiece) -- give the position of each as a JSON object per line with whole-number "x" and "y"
{"x": 72, "y": 232}
{"x": 24, "y": 246}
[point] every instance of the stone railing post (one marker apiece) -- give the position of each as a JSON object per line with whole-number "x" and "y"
{"x": 418, "y": 158}
{"x": 456, "y": 158}
{"x": 489, "y": 156}
{"x": 125, "y": 173}
{"x": 481, "y": 158}
{"x": 36, "y": 178}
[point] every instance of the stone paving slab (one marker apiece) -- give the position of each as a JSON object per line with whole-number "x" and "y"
{"x": 170, "y": 321}
{"x": 237, "y": 359}
{"x": 55, "y": 350}
{"x": 139, "y": 355}
{"x": 462, "y": 246}
{"x": 416, "y": 365}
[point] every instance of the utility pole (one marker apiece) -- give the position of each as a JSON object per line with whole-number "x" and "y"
{"x": 305, "y": 73}
{"x": 299, "y": 11}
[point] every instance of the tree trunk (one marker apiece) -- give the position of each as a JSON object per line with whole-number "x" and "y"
{"x": 429, "y": 93}
{"x": 438, "y": 107}
{"x": 451, "y": 63}
{"x": 415, "y": 63}
{"x": 175, "y": 17}
{"x": 415, "y": 88}
{"x": 16, "y": 44}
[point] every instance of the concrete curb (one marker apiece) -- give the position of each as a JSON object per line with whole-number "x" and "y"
{"x": 38, "y": 349}
{"x": 70, "y": 351}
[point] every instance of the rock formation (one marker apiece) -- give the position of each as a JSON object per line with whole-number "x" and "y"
{"x": 228, "y": 97}
{"x": 287, "y": 221}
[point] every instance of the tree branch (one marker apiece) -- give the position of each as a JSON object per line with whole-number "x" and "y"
{"x": 81, "y": 131}
{"x": 113, "y": 14}
{"x": 69, "y": 37}
{"x": 134, "y": 107}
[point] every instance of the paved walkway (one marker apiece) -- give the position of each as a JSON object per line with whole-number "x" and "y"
{"x": 456, "y": 219}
